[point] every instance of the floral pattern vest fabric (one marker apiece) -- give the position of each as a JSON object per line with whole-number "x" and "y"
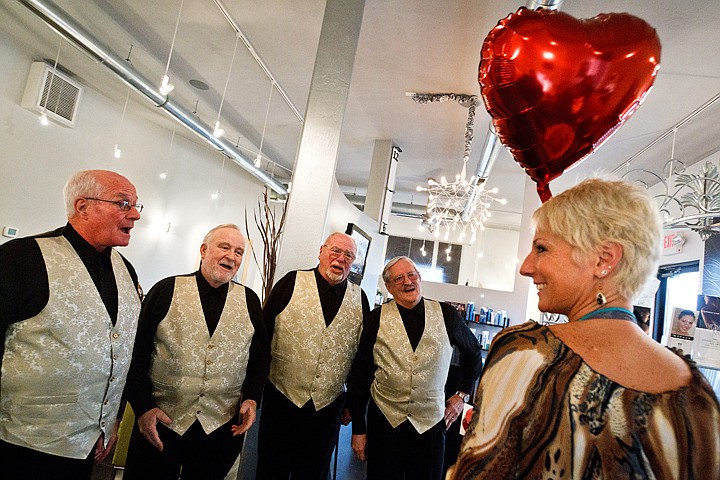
{"x": 310, "y": 359}
{"x": 64, "y": 370}
{"x": 411, "y": 384}
{"x": 194, "y": 375}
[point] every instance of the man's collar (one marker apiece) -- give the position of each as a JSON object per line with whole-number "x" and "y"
{"x": 82, "y": 247}
{"x": 324, "y": 285}
{"x": 419, "y": 308}
{"x": 203, "y": 284}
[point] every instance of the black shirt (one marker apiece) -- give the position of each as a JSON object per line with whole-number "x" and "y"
{"x": 331, "y": 297}
{"x": 24, "y": 290}
{"x": 138, "y": 389}
{"x": 363, "y": 369}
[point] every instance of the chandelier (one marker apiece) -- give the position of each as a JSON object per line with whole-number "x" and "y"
{"x": 462, "y": 206}
{"x": 689, "y": 200}
{"x": 686, "y": 200}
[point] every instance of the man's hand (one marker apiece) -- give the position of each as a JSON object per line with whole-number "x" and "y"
{"x": 101, "y": 451}
{"x": 453, "y": 410}
{"x": 358, "y": 444}
{"x": 248, "y": 410}
{"x": 147, "y": 423}
{"x": 345, "y": 418}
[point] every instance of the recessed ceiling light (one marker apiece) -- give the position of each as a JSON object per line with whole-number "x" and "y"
{"x": 199, "y": 84}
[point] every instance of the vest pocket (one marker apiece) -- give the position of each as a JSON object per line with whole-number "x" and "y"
{"x": 46, "y": 407}
{"x": 389, "y": 391}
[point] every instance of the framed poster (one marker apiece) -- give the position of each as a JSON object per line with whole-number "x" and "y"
{"x": 683, "y": 329}
{"x": 357, "y": 269}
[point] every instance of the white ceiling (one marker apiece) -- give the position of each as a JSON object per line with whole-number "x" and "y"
{"x": 404, "y": 46}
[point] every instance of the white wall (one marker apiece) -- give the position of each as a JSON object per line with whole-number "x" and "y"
{"x": 495, "y": 270}
{"x": 36, "y": 161}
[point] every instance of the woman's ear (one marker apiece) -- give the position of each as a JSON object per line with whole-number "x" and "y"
{"x": 609, "y": 255}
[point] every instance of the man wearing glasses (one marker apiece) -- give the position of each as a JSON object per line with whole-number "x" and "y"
{"x": 69, "y": 304}
{"x": 400, "y": 369}
{"x": 314, "y": 319}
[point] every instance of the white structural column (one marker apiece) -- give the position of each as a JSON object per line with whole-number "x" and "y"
{"x": 381, "y": 184}
{"x": 314, "y": 172}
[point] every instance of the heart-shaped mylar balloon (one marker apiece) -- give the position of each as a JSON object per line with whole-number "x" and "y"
{"x": 557, "y": 87}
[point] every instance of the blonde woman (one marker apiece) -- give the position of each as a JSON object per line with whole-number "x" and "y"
{"x": 595, "y": 397}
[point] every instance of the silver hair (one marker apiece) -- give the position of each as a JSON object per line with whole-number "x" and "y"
{"x": 83, "y": 184}
{"x": 335, "y": 234}
{"x": 393, "y": 261}
{"x": 209, "y": 235}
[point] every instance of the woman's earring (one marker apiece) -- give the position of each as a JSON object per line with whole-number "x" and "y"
{"x": 600, "y": 298}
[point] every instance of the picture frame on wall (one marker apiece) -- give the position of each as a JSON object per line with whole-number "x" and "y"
{"x": 363, "y": 240}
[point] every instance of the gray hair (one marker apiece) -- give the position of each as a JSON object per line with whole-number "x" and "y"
{"x": 83, "y": 184}
{"x": 337, "y": 234}
{"x": 393, "y": 261}
{"x": 209, "y": 235}
{"x": 597, "y": 211}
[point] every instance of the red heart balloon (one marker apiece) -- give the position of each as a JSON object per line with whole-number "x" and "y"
{"x": 557, "y": 87}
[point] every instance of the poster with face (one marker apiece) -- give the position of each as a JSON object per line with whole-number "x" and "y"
{"x": 684, "y": 322}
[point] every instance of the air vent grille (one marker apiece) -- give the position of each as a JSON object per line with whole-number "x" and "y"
{"x": 50, "y": 91}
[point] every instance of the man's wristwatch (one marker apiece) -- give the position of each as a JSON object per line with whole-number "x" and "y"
{"x": 465, "y": 396}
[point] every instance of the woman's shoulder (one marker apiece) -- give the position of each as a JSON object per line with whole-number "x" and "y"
{"x": 529, "y": 336}
{"x": 529, "y": 332}
{"x": 698, "y": 387}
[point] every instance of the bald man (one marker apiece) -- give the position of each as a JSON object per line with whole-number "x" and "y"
{"x": 69, "y": 305}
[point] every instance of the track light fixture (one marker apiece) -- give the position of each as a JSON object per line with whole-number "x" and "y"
{"x": 165, "y": 86}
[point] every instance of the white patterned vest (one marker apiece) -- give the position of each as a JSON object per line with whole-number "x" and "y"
{"x": 310, "y": 359}
{"x": 64, "y": 370}
{"x": 193, "y": 374}
{"x": 410, "y": 384}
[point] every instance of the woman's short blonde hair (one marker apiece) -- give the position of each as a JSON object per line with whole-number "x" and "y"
{"x": 597, "y": 211}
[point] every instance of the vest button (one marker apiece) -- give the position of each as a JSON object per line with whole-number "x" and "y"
{"x": 199, "y": 412}
{"x": 211, "y": 346}
{"x": 412, "y": 401}
{"x": 208, "y": 362}
{"x": 112, "y": 379}
{"x": 115, "y": 335}
{"x": 102, "y": 424}
{"x": 202, "y": 394}
{"x": 106, "y": 402}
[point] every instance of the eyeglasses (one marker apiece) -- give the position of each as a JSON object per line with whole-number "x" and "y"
{"x": 400, "y": 279}
{"x": 123, "y": 205}
{"x": 336, "y": 252}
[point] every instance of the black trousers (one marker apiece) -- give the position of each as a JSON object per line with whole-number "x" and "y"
{"x": 403, "y": 453}
{"x": 202, "y": 456}
{"x": 296, "y": 442}
{"x": 21, "y": 463}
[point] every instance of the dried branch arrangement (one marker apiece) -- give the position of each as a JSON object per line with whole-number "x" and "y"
{"x": 271, "y": 230}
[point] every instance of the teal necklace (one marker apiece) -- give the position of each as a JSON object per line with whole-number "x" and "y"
{"x": 614, "y": 313}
